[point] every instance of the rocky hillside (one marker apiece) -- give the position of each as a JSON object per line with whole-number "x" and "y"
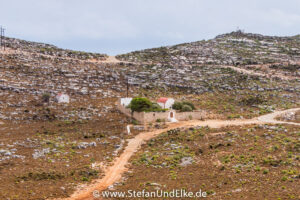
{"x": 236, "y": 48}
{"x": 48, "y": 50}
{"x": 48, "y": 148}
{"x": 27, "y": 74}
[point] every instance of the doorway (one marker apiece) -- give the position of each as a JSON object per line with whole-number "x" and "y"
{"x": 171, "y": 115}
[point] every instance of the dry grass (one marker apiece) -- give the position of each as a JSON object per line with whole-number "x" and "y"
{"x": 253, "y": 162}
{"x": 58, "y": 172}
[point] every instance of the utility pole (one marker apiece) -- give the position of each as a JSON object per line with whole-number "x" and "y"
{"x": 126, "y": 81}
{"x": 4, "y": 44}
{"x": 0, "y": 37}
{"x": 2, "y": 41}
{"x": 127, "y": 85}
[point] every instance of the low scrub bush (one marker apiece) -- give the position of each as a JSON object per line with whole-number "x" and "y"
{"x": 183, "y": 106}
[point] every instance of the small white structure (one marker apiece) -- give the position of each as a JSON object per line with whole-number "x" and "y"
{"x": 128, "y": 129}
{"x": 62, "y": 98}
{"x": 125, "y": 101}
{"x": 165, "y": 103}
{"x": 171, "y": 116}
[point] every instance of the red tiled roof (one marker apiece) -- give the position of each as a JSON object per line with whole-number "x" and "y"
{"x": 162, "y": 100}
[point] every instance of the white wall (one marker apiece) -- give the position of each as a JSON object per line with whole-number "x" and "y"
{"x": 63, "y": 98}
{"x": 169, "y": 103}
{"x": 125, "y": 101}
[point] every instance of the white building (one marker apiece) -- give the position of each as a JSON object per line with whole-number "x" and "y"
{"x": 125, "y": 101}
{"x": 62, "y": 98}
{"x": 165, "y": 103}
{"x": 171, "y": 116}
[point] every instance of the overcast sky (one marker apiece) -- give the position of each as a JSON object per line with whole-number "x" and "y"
{"x": 119, "y": 26}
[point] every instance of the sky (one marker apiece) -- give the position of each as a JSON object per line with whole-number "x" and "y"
{"x": 121, "y": 26}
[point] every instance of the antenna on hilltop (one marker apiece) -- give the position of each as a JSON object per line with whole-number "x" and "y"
{"x": 2, "y": 41}
{"x": 239, "y": 30}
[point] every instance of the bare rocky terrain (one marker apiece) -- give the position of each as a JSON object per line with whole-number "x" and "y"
{"x": 236, "y": 48}
{"x": 48, "y": 149}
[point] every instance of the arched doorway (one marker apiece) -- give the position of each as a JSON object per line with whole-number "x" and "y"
{"x": 171, "y": 116}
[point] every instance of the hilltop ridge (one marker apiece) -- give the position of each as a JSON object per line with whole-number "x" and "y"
{"x": 48, "y": 49}
{"x": 49, "y": 149}
{"x": 230, "y": 49}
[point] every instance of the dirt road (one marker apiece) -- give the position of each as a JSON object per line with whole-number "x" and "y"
{"x": 114, "y": 60}
{"x": 251, "y": 72}
{"x": 114, "y": 173}
{"x": 270, "y": 118}
{"x": 108, "y": 60}
{"x": 111, "y": 59}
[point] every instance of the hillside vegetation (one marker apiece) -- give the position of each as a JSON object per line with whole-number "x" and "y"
{"x": 47, "y": 149}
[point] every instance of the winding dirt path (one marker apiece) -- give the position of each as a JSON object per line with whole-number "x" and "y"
{"x": 114, "y": 173}
{"x": 114, "y": 60}
{"x": 251, "y": 72}
{"x": 270, "y": 118}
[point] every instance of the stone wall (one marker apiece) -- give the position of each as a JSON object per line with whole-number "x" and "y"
{"x": 136, "y": 115}
{"x": 153, "y": 116}
{"x": 148, "y": 117}
{"x": 184, "y": 116}
{"x": 180, "y": 116}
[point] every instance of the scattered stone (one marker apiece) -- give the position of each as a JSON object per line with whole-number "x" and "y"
{"x": 84, "y": 145}
{"x": 186, "y": 161}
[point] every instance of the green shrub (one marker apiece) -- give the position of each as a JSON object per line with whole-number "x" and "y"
{"x": 284, "y": 178}
{"x": 140, "y": 104}
{"x": 186, "y": 108}
{"x": 46, "y": 97}
{"x": 189, "y": 104}
{"x": 265, "y": 171}
{"x": 252, "y": 100}
{"x": 155, "y": 106}
{"x": 135, "y": 122}
{"x": 177, "y": 105}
